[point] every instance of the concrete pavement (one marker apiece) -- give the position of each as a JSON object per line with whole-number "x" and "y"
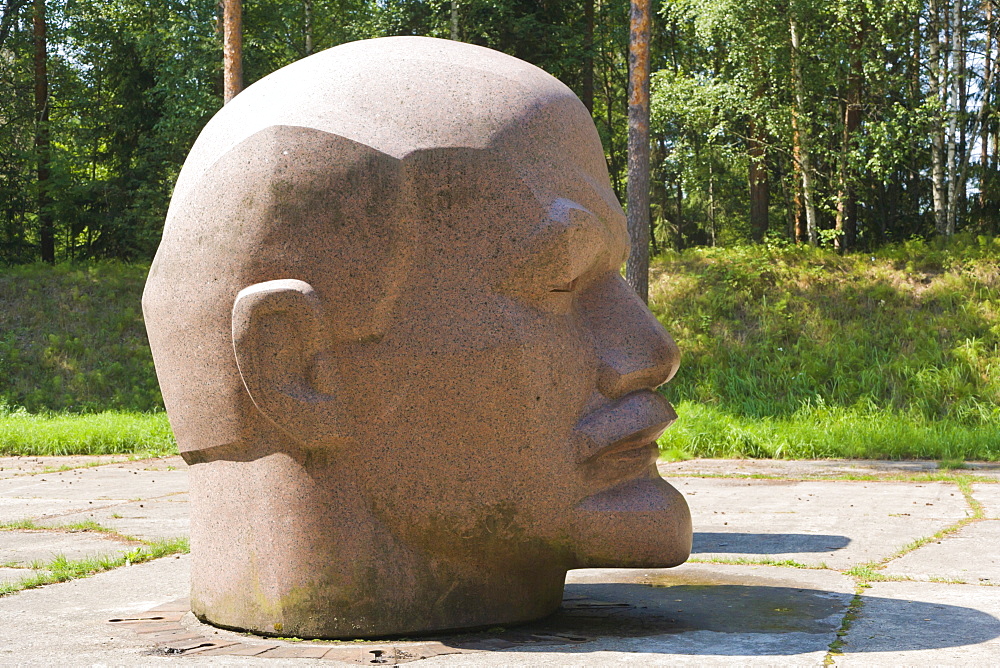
{"x": 794, "y": 563}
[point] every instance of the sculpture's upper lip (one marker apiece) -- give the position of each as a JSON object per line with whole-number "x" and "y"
{"x": 630, "y": 423}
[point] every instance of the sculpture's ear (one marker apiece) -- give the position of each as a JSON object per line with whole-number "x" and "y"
{"x": 279, "y": 328}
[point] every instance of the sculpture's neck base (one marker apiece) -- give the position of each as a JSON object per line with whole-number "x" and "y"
{"x": 277, "y": 551}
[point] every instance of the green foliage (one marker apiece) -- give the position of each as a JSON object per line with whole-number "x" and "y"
{"x": 131, "y": 84}
{"x": 797, "y": 352}
{"x": 72, "y": 339}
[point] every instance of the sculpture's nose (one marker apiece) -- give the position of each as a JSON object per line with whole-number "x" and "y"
{"x": 634, "y": 351}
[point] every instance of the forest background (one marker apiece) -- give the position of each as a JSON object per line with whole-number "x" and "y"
{"x": 847, "y": 122}
{"x": 823, "y": 198}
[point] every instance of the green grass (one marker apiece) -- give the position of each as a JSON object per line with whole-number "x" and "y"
{"x": 61, "y": 569}
{"x": 107, "y": 433}
{"x": 787, "y": 351}
{"x": 824, "y": 432}
{"x": 72, "y": 339}
{"x": 800, "y": 352}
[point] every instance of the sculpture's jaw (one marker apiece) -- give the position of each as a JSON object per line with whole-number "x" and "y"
{"x": 642, "y": 523}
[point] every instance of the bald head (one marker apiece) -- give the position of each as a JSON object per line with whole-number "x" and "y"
{"x": 392, "y": 336}
{"x": 326, "y": 170}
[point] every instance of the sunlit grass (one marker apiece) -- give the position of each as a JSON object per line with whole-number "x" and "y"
{"x": 822, "y": 433}
{"x": 72, "y": 339}
{"x": 798, "y": 352}
{"x": 787, "y": 351}
{"x": 107, "y": 433}
{"x": 61, "y": 569}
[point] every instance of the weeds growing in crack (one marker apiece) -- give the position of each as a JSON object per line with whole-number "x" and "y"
{"x": 61, "y": 569}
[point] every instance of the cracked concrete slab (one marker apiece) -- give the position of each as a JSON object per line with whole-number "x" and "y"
{"x": 705, "y": 614}
{"x": 694, "y": 614}
{"x": 925, "y": 624}
{"x": 25, "y": 547}
{"x": 150, "y": 519}
{"x": 969, "y": 555}
{"x": 11, "y": 575}
{"x": 48, "y": 496}
{"x": 22, "y": 466}
{"x": 66, "y": 624}
{"x": 114, "y": 482}
{"x": 839, "y": 524}
{"x": 989, "y": 496}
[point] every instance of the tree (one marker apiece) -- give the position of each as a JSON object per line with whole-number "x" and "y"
{"x": 46, "y": 231}
{"x": 10, "y": 10}
{"x": 637, "y": 267}
{"x": 232, "y": 18}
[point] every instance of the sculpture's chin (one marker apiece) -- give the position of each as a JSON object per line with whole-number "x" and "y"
{"x": 642, "y": 523}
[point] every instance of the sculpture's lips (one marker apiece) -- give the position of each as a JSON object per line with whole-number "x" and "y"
{"x": 620, "y": 438}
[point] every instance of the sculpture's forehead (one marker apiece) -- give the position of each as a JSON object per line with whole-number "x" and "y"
{"x": 396, "y": 95}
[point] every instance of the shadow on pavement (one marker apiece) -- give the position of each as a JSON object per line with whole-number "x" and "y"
{"x": 672, "y": 614}
{"x": 766, "y": 543}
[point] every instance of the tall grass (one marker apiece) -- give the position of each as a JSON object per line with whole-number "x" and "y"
{"x": 800, "y": 352}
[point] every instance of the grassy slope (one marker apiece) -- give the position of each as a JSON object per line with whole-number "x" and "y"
{"x": 787, "y": 352}
{"x": 75, "y": 360}
{"x": 72, "y": 339}
{"x": 797, "y": 352}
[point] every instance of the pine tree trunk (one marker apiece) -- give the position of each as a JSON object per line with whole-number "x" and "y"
{"x": 798, "y": 219}
{"x": 711, "y": 202}
{"x": 232, "y": 12}
{"x": 637, "y": 267}
{"x": 681, "y": 227}
{"x": 984, "y": 138}
{"x": 46, "y": 229}
{"x": 587, "y": 92}
{"x": 760, "y": 193}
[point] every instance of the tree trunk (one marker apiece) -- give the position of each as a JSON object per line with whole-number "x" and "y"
{"x": 760, "y": 192}
{"x": 847, "y": 203}
{"x": 984, "y": 137}
{"x": 637, "y": 267}
{"x": 962, "y": 169}
{"x": 307, "y": 26}
{"x": 232, "y": 12}
{"x": 658, "y": 194}
{"x": 802, "y": 131}
{"x": 680, "y": 214}
{"x": 798, "y": 228}
{"x": 588, "y": 56}
{"x": 953, "y": 114}
{"x": 711, "y": 201}
{"x": 935, "y": 91}
{"x": 46, "y": 230}
{"x": 454, "y": 20}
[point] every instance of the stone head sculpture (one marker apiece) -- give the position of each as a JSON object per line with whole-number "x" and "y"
{"x": 395, "y": 347}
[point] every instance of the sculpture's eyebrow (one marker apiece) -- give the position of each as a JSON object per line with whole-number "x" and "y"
{"x": 572, "y": 240}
